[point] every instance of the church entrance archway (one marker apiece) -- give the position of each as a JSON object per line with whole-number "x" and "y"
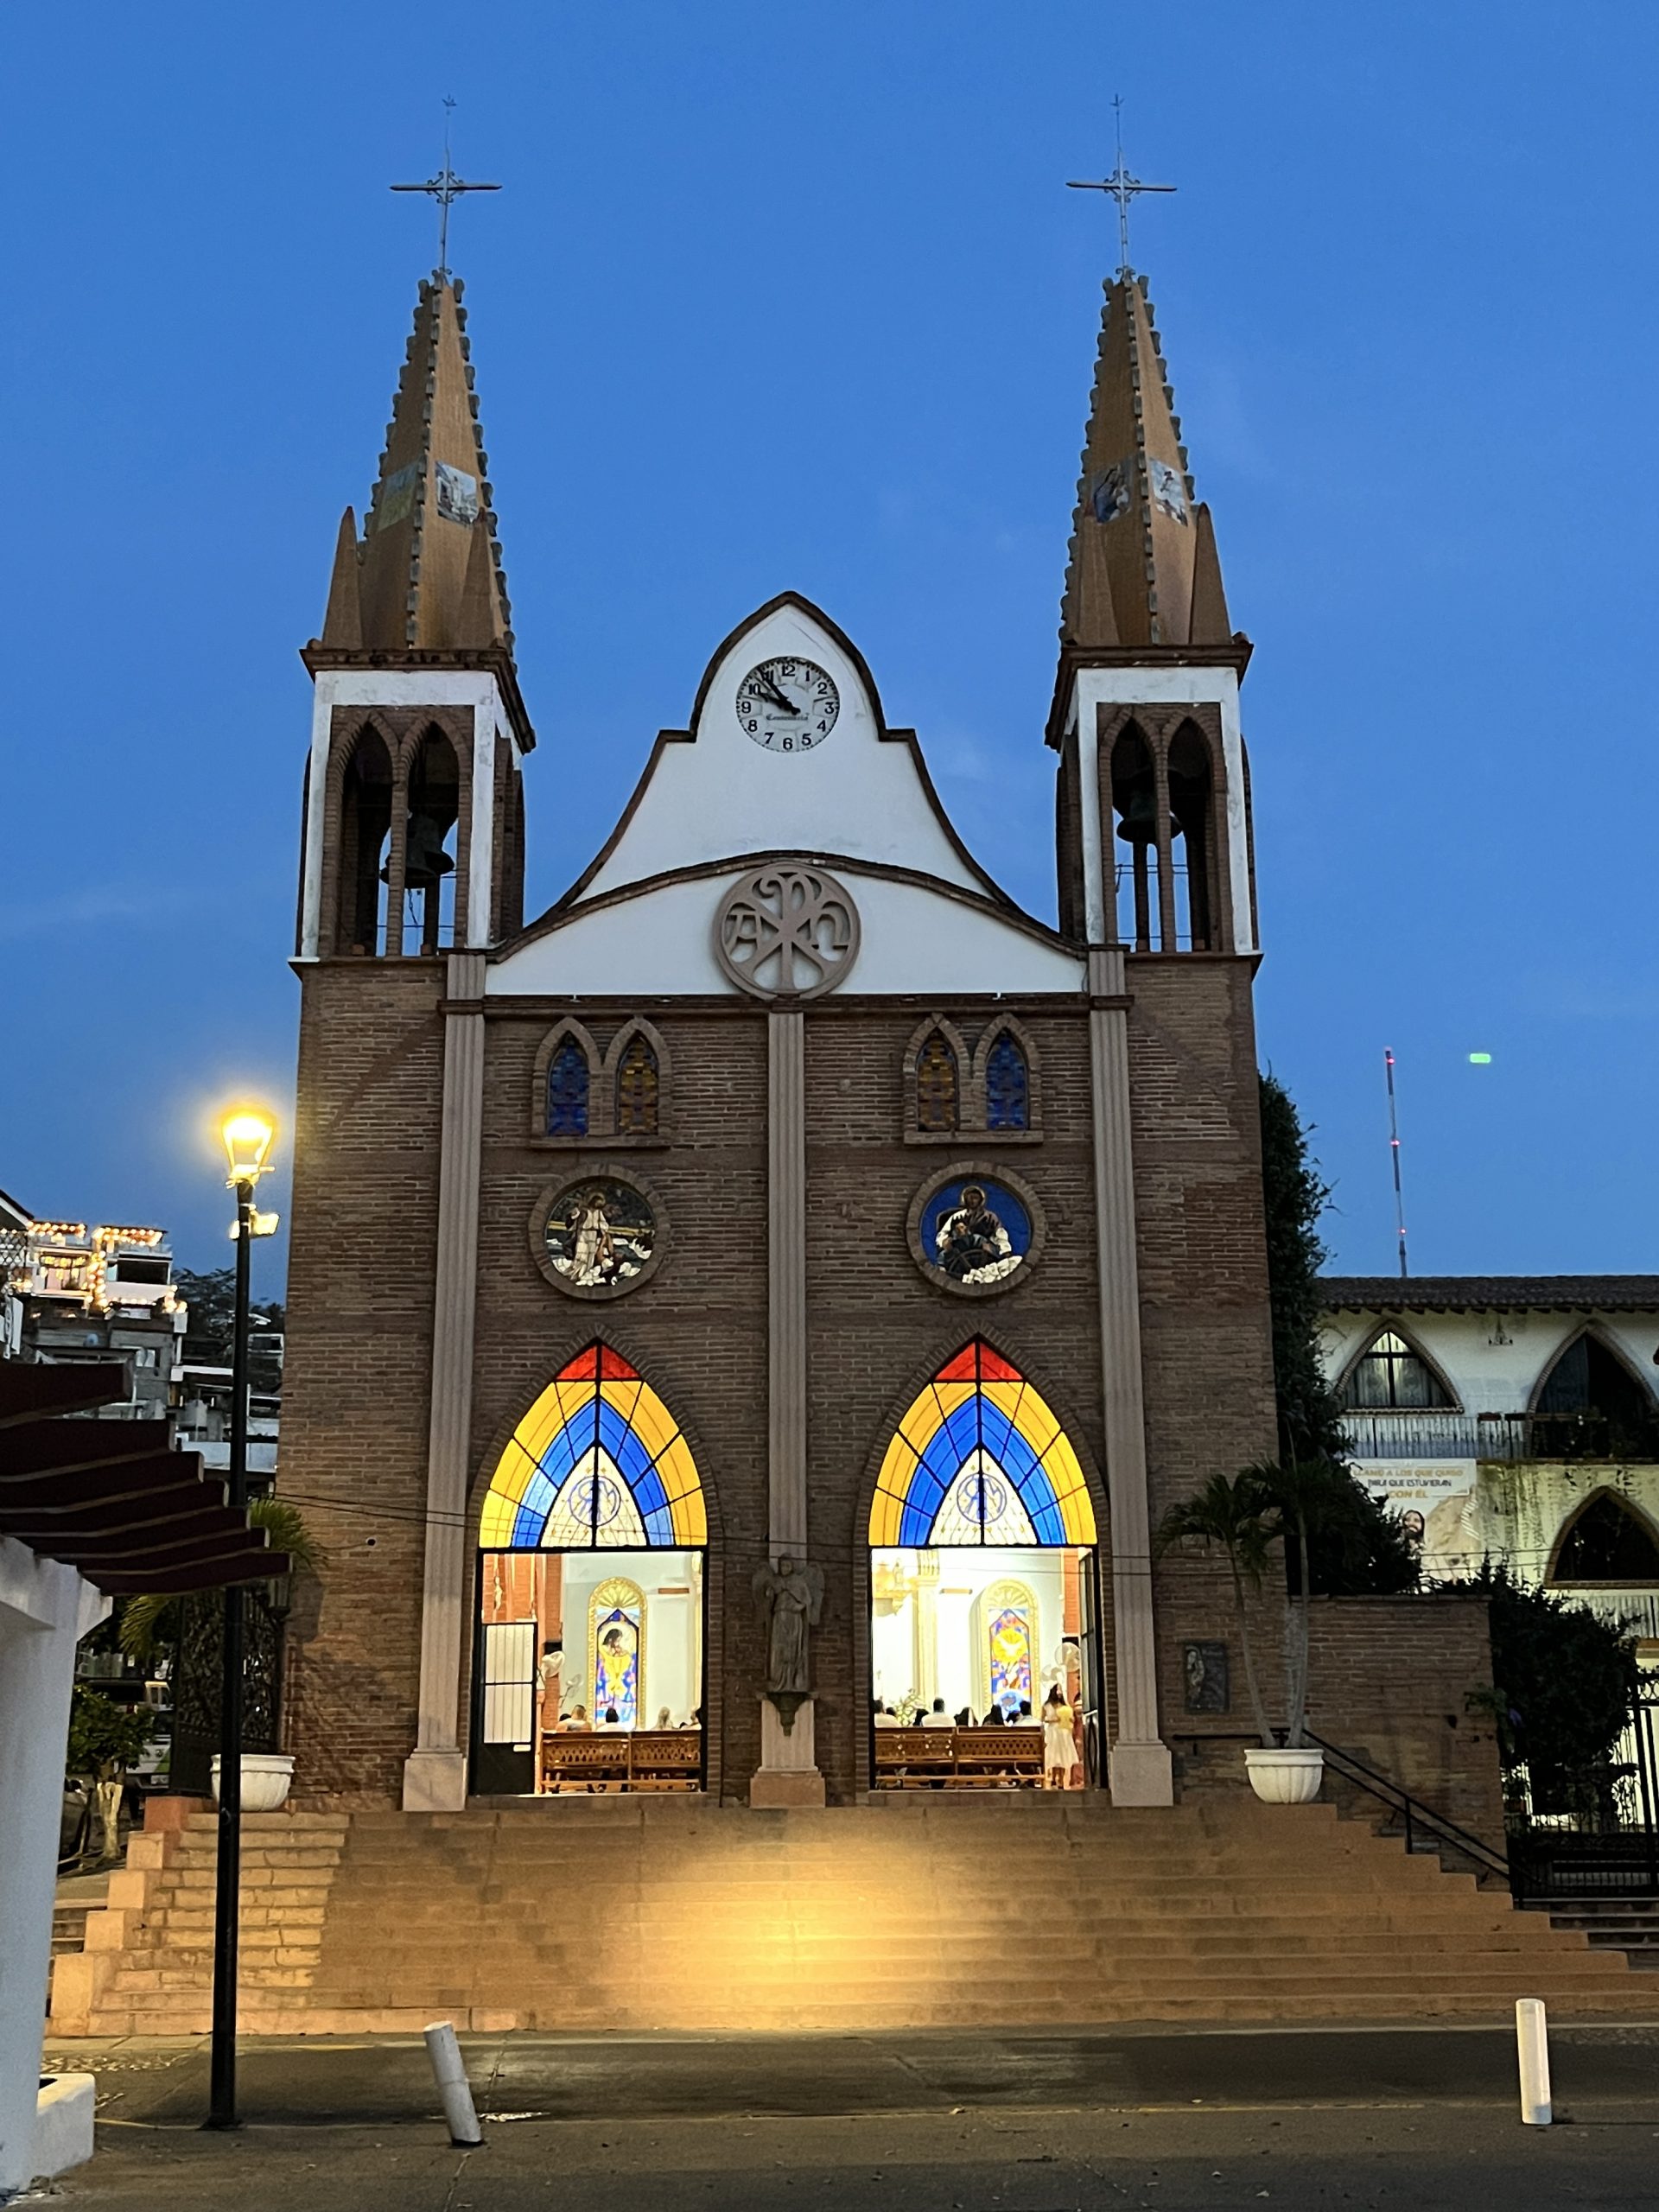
{"x": 986, "y": 1668}
{"x": 591, "y": 1625}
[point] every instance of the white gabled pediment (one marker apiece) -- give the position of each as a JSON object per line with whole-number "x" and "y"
{"x": 712, "y": 794}
{"x": 917, "y": 939}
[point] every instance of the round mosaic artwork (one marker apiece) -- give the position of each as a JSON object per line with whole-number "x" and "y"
{"x": 974, "y": 1231}
{"x": 599, "y": 1236}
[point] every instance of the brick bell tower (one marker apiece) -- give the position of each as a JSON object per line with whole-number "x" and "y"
{"x": 1156, "y": 879}
{"x": 412, "y": 868}
{"x": 413, "y": 832}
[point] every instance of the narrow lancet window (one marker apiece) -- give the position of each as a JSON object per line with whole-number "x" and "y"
{"x": 567, "y": 1091}
{"x": 938, "y": 1084}
{"x": 639, "y": 1087}
{"x": 1008, "y": 1086}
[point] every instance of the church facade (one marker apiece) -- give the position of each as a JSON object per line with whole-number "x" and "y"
{"x": 764, "y": 1304}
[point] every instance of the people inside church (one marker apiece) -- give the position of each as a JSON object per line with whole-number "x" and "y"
{"x": 938, "y": 1717}
{"x": 1060, "y": 1743}
{"x": 576, "y": 1722}
{"x": 886, "y": 1717}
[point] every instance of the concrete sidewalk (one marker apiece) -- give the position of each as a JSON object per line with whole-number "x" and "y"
{"x": 931, "y": 2122}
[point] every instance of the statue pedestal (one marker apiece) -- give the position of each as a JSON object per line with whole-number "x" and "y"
{"x": 788, "y": 1773}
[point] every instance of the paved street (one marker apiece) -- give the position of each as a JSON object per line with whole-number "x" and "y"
{"x": 934, "y": 2123}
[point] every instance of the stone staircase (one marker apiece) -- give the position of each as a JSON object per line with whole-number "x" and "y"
{"x": 631, "y": 1913}
{"x": 1626, "y": 1924}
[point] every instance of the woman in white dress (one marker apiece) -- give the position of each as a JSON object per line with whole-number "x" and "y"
{"x": 1059, "y": 1746}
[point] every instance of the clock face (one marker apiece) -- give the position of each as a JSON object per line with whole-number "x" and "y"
{"x": 788, "y": 706}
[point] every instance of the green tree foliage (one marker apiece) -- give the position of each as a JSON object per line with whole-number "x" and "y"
{"x": 1563, "y": 1680}
{"x": 105, "y": 1738}
{"x": 1294, "y": 1196}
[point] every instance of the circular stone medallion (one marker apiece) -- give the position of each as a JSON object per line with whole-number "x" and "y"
{"x": 787, "y": 931}
{"x": 597, "y": 1236}
{"x": 974, "y": 1231}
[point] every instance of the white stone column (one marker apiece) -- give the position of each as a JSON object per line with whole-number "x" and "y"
{"x": 434, "y": 1773}
{"x": 1138, "y": 1759}
{"x": 788, "y": 1773}
{"x": 45, "y": 1609}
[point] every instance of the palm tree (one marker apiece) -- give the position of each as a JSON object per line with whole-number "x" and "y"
{"x": 1234, "y": 1513}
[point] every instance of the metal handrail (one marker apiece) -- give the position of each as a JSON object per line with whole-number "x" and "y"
{"x": 1435, "y": 1824}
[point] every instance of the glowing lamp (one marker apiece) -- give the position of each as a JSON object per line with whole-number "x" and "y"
{"x": 248, "y": 1138}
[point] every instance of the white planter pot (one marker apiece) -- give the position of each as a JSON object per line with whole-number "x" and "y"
{"x": 1285, "y": 1778}
{"x": 265, "y": 1779}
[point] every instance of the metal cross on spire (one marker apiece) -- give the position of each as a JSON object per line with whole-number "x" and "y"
{"x": 446, "y": 188}
{"x": 1123, "y": 188}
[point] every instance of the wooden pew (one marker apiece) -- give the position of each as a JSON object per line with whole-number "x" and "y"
{"x": 614, "y": 1759}
{"x": 972, "y": 1759}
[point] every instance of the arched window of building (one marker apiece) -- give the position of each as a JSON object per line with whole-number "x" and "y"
{"x": 938, "y": 1085}
{"x": 364, "y": 843}
{"x": 598, "y": 1463}
{"x": 1007, "y": 1084}
{"x": 616, "y": 1651}
{"x": 1390, "y": 1375}
{"x": 431, "y": 877}
{"x": 1607, "y": 1541}
{"x": 639, "y": 1086}
{"x": 1135, "y": 804}
{"x": 1590, "y": 1405}
{"x": 1008, "y": 1640}
{"x": 1191, "y": 821}
{"x": 979, "y": 1458}
{"x": 567, "y": 1083}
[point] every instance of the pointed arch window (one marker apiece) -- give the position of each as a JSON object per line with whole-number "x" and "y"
{"x": 938, "y": 1085}
{"x": 1007, "y": 1084}
{"x": 1608, "y": 1542}
{"x": 979, "y": 1458}
{"x": 639, "y": 1089}
{"x": 1590, "y": 1406}
{"x": 1390, "y": 1377}
{"x": 598, "y": 1463}
{"x": 567, "y": 1087}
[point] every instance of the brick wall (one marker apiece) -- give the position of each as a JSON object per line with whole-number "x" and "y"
{"x": 361, "y": 1290}
{"x": 1389, "y": 1680}
{"x": 358, "y": 1379}
{"x": 1206, "y": 1342}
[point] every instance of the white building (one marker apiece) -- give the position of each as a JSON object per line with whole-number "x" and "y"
{"x": 1516, "y": 1417}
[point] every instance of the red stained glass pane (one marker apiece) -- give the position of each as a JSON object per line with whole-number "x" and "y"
{"x": 977, "y": 1362}
{"x": 598, "y": 1363}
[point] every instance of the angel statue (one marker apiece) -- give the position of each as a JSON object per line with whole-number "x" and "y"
{"x": 789, "y": 1596}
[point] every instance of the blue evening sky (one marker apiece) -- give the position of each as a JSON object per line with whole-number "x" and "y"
{"x": 783, "y": 294}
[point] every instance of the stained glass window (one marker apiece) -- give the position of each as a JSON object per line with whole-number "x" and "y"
{"x": 636, "y": 1089}
{"x": 567, "y": 1091}
{"x": 936, "y": 1084}
{"x": 598, "y": 1463}
{"x": 979, "y": 1458}
{"x": 618, "y": 1618}
{"x": 1010, "y": 1657}
{"x": 1007, "y": 1085}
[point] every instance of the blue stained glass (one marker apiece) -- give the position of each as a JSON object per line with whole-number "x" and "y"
{"x": 1008, "y": 1086}
{"x": 567, "y": 1091}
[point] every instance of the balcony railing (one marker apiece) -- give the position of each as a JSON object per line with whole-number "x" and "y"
{"x": 1562, "y": 1437}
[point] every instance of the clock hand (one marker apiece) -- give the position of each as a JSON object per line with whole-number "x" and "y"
{"x": 788, "y": 705}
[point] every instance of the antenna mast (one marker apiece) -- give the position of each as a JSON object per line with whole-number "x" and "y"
{"x": 1394, "y": 1153}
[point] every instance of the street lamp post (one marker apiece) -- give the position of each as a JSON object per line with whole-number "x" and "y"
{"x": 247, "y": 1142}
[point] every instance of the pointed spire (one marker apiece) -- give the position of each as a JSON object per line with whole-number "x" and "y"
{"x": 1136, "y": 536}
{"x": 343, "y": 623}
{"x": 1210, "y": 625}
{"x": 421, "y": 584}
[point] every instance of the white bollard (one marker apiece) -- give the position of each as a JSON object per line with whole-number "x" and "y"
{"x": 1532, "y": 2049}
{"x": 454, "y": 2089}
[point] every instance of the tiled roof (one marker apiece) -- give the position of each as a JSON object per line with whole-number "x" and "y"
{"x": 1490, "y": 1294}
